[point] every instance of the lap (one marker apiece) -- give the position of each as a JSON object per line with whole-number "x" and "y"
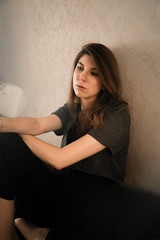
{"x": 79, "y": 205}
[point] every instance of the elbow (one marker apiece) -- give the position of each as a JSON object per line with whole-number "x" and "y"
{"x": 59, "y": 167}
{"x": 37, "y": 129}
{"x": 61, "y": 160}
{"x": 53, "y": 164}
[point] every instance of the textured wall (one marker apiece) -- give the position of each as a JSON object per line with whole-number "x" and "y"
{"x": 38, "y": 42}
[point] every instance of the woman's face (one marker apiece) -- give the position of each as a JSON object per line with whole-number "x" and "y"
{"x": 86, "y": 82}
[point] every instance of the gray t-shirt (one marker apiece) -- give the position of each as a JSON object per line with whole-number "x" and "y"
{"x": 114, "y": 134}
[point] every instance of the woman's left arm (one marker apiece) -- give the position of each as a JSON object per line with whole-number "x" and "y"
{"x": 62, "y": 157}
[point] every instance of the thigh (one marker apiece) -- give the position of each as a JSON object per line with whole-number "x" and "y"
{"x": 13, "y": 163}
{"x": 25, "y": 178}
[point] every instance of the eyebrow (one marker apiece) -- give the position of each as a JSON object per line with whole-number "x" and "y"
{"x": 83, "y": 65}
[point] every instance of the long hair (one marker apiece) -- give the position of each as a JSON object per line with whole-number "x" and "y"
{"x": 109, "y": 76}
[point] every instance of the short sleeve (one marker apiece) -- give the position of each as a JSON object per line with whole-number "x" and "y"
{"x": 65, "y": 117}
{"x": 114, "y": 133}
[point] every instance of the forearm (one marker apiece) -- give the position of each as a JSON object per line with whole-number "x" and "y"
{"x": 46, "y": 152}
{"x": 63, "y": 157}
{"x": 25, "y": 125}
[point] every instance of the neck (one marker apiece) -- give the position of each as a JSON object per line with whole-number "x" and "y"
{"x": 86, "y": 104}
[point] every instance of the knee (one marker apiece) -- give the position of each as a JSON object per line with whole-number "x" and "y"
{"x": 8, "y": 137}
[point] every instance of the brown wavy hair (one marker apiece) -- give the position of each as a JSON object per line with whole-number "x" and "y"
{"x": 108, "y": 72}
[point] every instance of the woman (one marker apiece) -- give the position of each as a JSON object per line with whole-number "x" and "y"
{"x": 72, "y": 192}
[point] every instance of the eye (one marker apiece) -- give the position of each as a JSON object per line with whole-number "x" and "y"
{"x": 94, "y": 74}
{"x": 80, "y": 68}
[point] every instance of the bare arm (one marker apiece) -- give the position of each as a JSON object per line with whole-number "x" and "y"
{"x": 29, "y": 125}
{"x": 63, "y": 157}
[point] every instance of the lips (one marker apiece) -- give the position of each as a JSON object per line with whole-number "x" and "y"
{"x": 80, "y": 86}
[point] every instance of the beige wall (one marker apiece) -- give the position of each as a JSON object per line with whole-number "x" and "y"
{"x": 39, "y": 39}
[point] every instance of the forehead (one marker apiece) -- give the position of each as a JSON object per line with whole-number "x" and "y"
{"x": 87, "y": 61}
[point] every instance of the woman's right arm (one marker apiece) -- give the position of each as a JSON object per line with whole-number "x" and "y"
{"x": 29, "y": 125}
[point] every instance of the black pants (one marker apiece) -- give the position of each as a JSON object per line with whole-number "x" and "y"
{"x": 75, "y": 205}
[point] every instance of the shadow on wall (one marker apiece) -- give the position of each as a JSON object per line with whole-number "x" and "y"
{"x": 12, "y": 100}
{"x": 140, "y": 72}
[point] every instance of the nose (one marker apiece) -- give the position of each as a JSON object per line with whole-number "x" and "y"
{"x": 83, "y": 76}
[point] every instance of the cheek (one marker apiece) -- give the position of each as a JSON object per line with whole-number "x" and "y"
{"x": 74, "y": 76}
{"x": 98, "y": 85}
{"x": 74, "y": 80}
